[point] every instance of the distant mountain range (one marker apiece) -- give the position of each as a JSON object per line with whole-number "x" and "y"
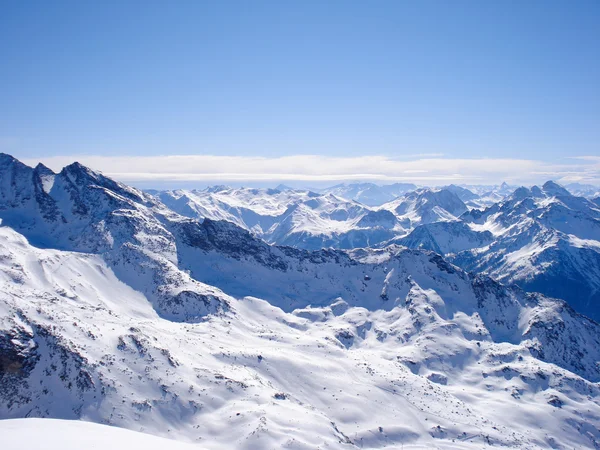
{"x": 370, "y": 194}
{"x": 310, "y": 220}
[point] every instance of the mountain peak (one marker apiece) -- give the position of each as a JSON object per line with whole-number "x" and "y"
{"x": 554, "y": 189}
{"x": 217, "y": 188}
{"x": 520, "y": 193}
{"x": 78, "y": 166}
{"x": 6, "y": 159}
{"x": 41, "y": 169}
{"x": 80, "y": 174}
{"x": 537, "y": 192}
{"x": 505, "y": 188}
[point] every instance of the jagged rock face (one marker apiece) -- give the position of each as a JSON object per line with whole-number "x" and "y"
{"x": 227, "y": 239}
{"x": 201, "y": 331}
{"x": 39, "y": 353}
{"x": 17, "y": 182}
{"x": 554, "y": 189}
{"x": 23, "y": 197}
{"x": 73, "y": 209}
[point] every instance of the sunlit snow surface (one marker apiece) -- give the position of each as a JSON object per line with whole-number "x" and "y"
{"x": 430, "y": 372}
{"x": 54, "y": 434}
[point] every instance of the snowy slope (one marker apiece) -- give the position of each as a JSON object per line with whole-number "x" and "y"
{"x": 427, "y": 356}
{"x": 54, "y": 434}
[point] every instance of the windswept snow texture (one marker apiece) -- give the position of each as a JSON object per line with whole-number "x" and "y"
{"x": 118, "y": 311}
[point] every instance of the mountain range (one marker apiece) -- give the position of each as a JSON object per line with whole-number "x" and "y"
{"x": 309, "y": 220}
{"x": 186, "y": 318}
{"x": 369, "y": 194}
{"x": 544, "y": 239}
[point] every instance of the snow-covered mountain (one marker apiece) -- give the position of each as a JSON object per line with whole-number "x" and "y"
{"x": 543, "y": 239}
{"x": 583, "y": 190}
{"x": 253, "y": 209}
{"x": 445, "y": 237}
{"x": 488, "y": 195}
{"x": 370, "y": 194}
{"x": 116, "y": 310}
{"x": 504, "y": 189}
{"x": 312, "y": 221}
{"x": 461, "y": 192}
{"x": 302, "y": 219}
{"x": 427, "y": 205}
{"x": 82, "y": 210}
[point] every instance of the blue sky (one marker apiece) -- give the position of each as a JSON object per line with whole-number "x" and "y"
{"x": 268, "y": 81}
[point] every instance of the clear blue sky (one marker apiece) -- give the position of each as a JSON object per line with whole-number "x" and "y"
{"x": 340, "y": 78}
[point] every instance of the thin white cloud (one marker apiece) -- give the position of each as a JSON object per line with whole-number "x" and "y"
{"x": 425, "y": 170}
{"x": 586, "y": 158}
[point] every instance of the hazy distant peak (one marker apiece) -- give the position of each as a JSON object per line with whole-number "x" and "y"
{"x": 554, "y": 189}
